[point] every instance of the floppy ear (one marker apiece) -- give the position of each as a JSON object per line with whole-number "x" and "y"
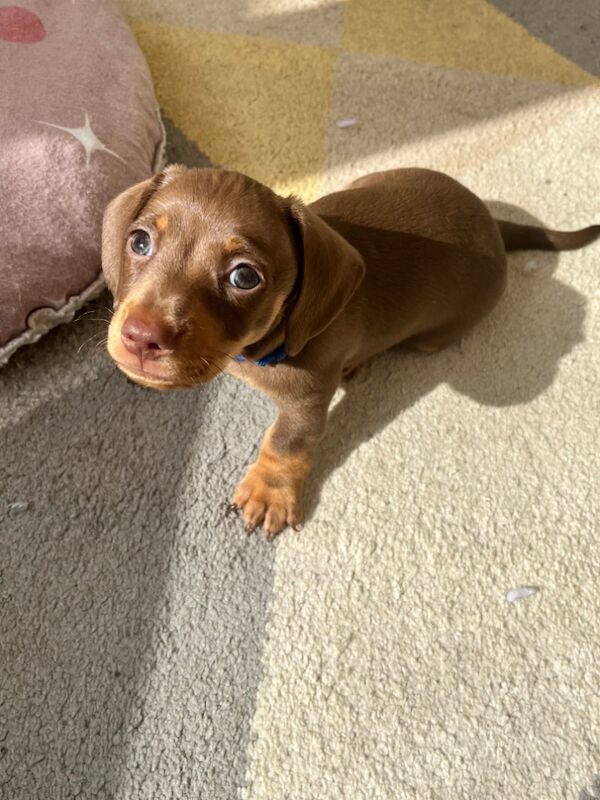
{"x": 119, "y": 215}
{"x": 330, "y": 272}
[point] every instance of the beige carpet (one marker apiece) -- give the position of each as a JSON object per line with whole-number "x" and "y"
{"x": 375, "y": 655}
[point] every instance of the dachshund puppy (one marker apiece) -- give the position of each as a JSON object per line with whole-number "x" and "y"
{"x": 211, "y": 271}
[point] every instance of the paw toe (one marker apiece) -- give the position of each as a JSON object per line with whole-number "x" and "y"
{"x": 254, "y": 513}
{"x": 274, "y": 520}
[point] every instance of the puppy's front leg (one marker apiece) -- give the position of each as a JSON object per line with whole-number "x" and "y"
{"x": 271, "y": 491}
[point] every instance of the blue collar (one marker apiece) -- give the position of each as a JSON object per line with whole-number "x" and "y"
{"x": 274, "y": 357}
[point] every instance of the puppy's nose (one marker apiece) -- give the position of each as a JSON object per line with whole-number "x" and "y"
{"x": 147, "y": 338}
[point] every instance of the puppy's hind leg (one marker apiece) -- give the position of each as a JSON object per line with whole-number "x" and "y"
{"x": 437, "y": 339}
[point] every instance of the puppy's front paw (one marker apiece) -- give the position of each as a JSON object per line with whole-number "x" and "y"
{"x": 270, "y": 500}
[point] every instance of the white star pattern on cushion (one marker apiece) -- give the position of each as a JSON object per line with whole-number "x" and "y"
{"x": 87, "y": 137}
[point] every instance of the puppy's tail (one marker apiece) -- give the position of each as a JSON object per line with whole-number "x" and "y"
{"x": 528, "y": 237}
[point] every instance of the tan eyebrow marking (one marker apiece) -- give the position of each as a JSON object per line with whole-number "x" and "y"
{"x": 233, "y": 244}
{"x": 162, "y": 222}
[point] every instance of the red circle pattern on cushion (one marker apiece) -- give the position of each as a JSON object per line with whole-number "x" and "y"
{"x": 20, "y": 25}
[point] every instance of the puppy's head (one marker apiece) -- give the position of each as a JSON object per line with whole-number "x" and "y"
{"x": 207, "y": 264}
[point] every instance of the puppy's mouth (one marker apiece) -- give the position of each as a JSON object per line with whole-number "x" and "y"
{"x": 144, "y": 377}
{"x": 151, "y": 380}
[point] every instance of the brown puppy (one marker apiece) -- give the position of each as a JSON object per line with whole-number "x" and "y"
{"x": 212, "y": 271}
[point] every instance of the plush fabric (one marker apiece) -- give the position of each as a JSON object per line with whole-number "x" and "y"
{"x": 78, "y": 123}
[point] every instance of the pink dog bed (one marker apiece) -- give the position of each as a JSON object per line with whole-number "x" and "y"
{"x": 78, "y": 124}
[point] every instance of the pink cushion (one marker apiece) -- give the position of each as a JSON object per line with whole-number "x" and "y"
{"x": 78, "y": 124}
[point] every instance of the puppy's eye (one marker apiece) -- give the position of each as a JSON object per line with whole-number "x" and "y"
{"x": 141, "y": 243}
{"x": 244, "y": 277}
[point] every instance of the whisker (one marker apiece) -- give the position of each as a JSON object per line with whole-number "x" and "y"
{"x": 213, "y": 369}
{"x": 203, "y": 374}
{"x": 191, "y": 370}
{"x": 87, "y": 341}
{"x": 223, "y": 353}
{"x": 92, "y": 319}
{"x": 194, "y": 373}
{"x": 86, "y": 314}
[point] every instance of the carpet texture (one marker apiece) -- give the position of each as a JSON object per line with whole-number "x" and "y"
{"x": 148, "y": 649}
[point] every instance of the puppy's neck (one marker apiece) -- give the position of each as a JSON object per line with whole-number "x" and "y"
{"x": 269, "y": 343}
